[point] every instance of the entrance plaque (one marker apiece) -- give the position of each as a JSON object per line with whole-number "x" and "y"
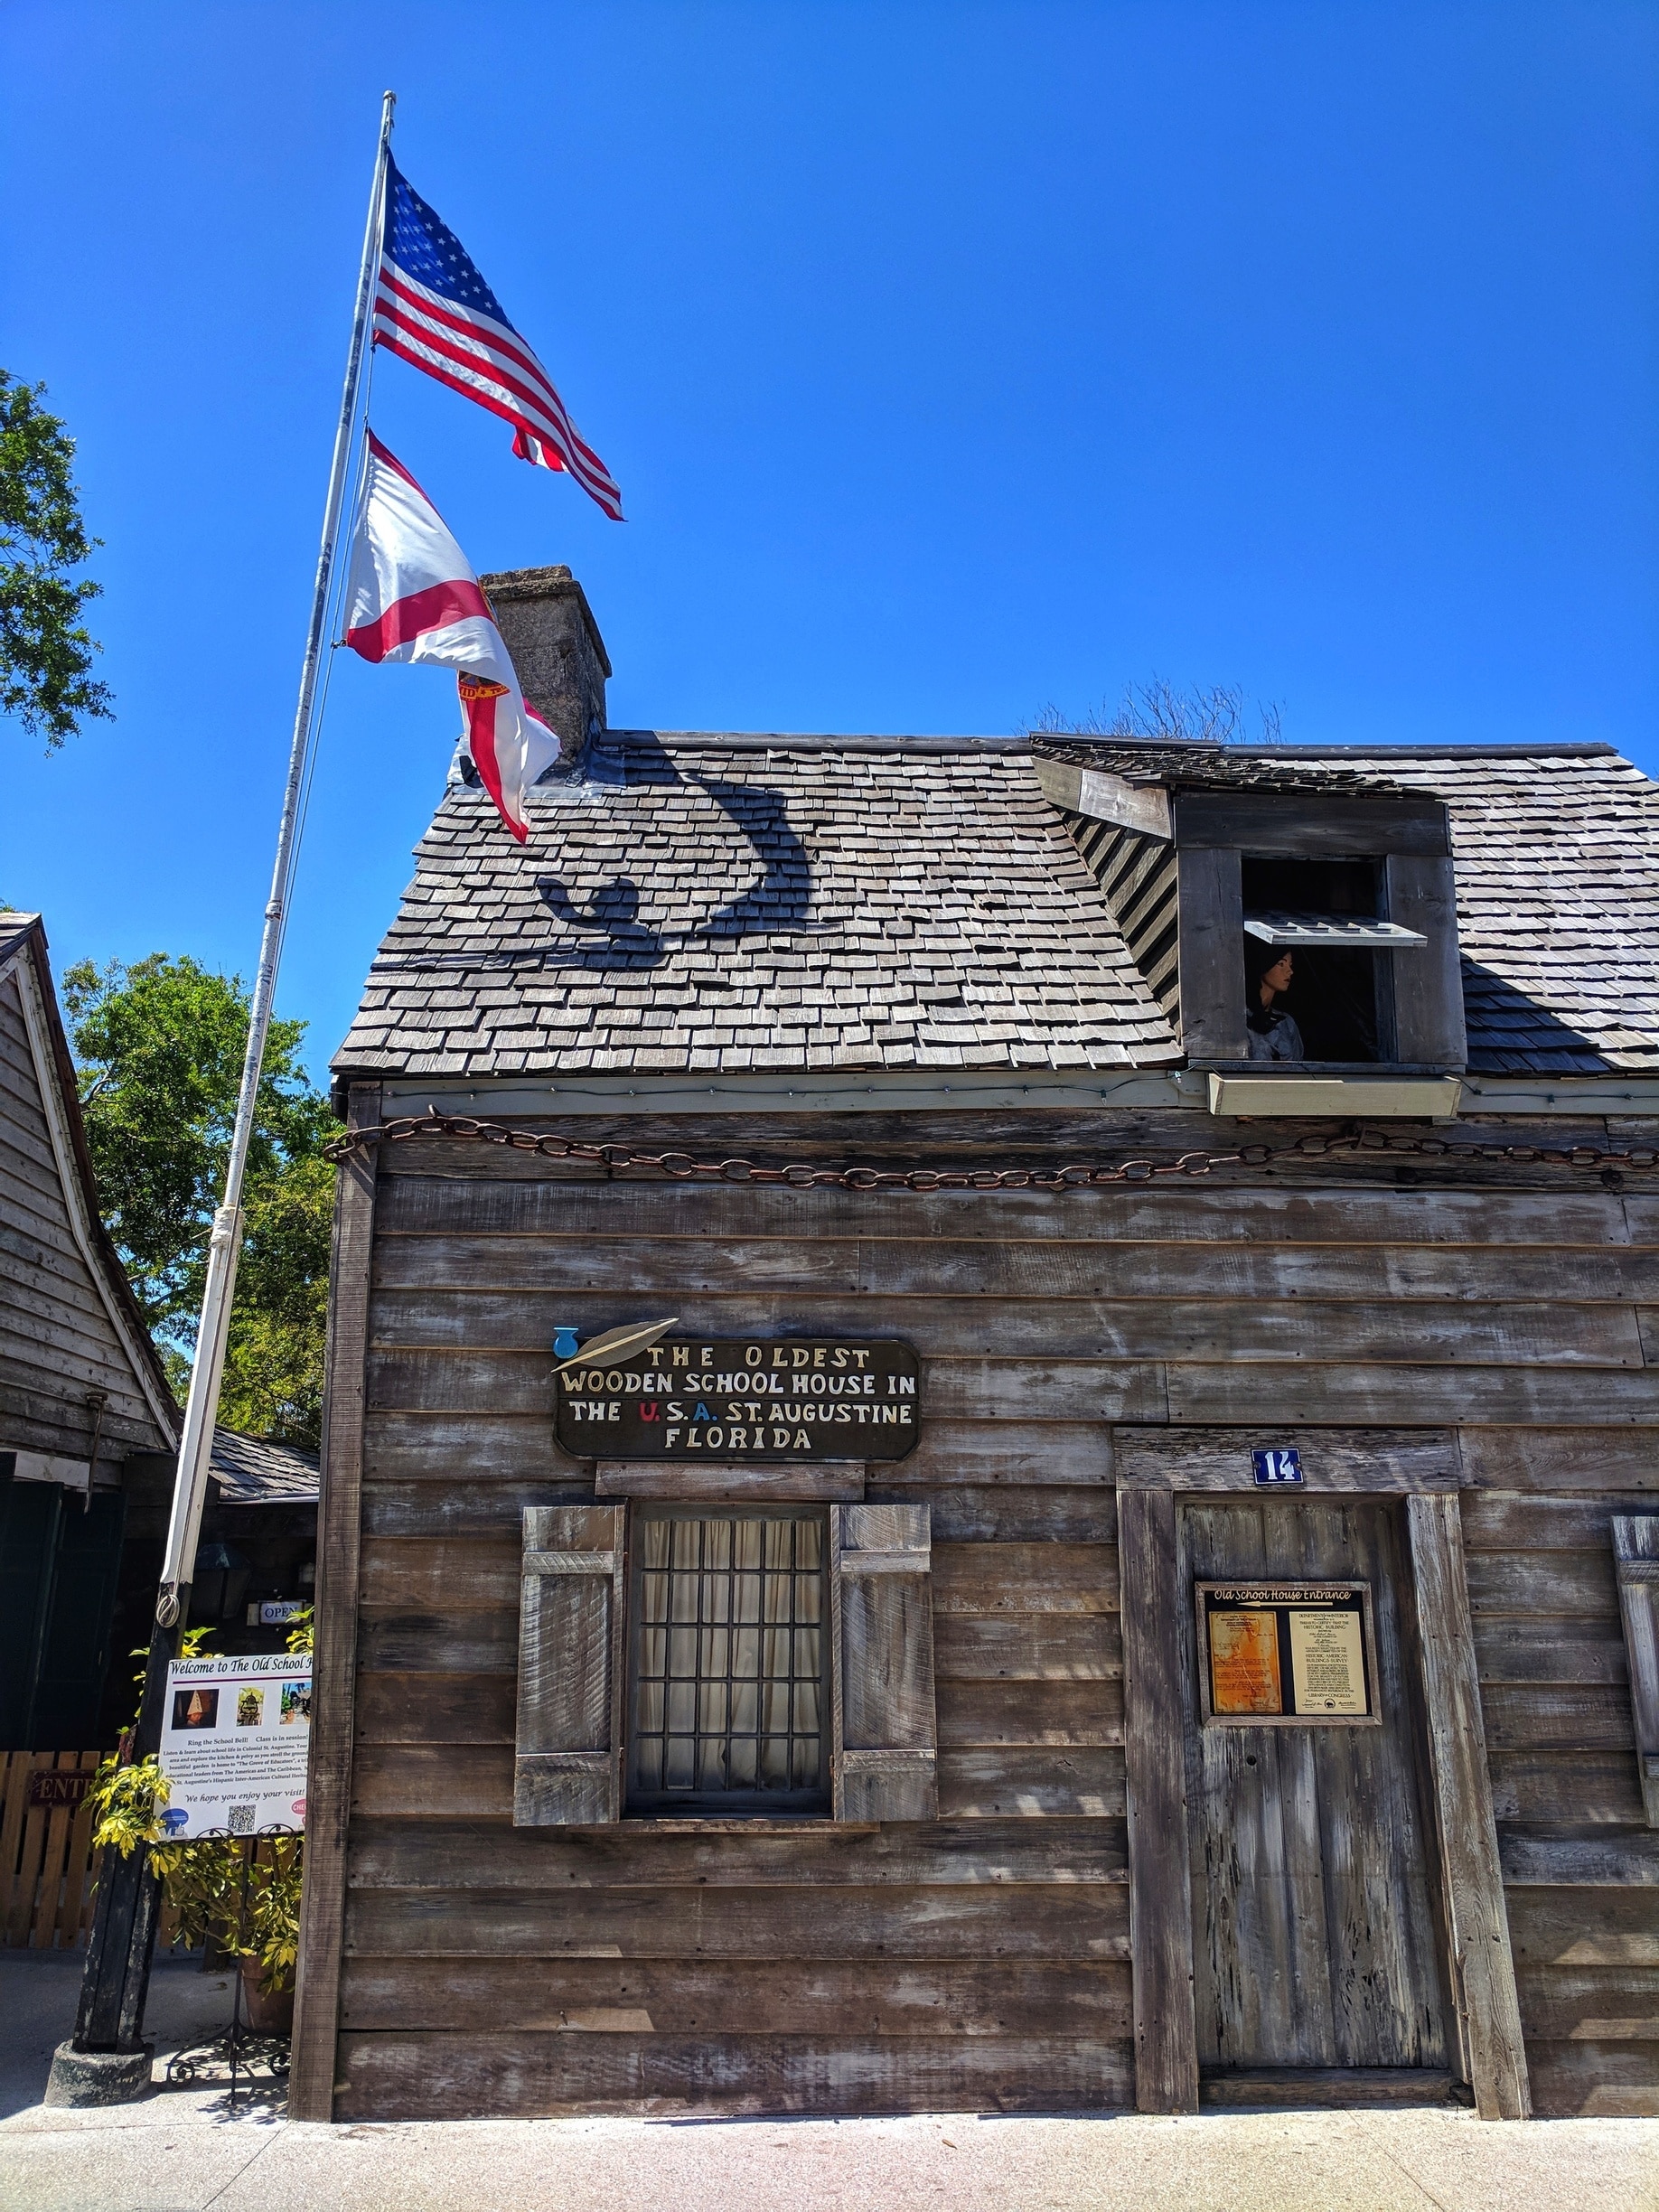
{"x": 1327, "y": 1659}
{"x": 761, "y": 1399}
{"x": 1244, "y": 1670}
{"x": 1279, "y": 1655}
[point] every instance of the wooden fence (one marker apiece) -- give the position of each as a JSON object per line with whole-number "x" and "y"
{"x": 45, "y": 1848}
{"x": 47, "y": 1863}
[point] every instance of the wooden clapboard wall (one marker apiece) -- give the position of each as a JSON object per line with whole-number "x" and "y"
{"x": 59, "y": 1337}
{"x": 982, "y": 1961}
{"x": 1580, "y": 1865}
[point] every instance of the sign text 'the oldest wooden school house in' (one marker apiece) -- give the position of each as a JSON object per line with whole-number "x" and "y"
{"x": 758, "y": 1401}
{"x": 990, "y": 1433}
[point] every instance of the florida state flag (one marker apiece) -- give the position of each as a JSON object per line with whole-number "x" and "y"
{"x": 412, "y": 596}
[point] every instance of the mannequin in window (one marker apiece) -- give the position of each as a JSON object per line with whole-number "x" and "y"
{"x": 1272, "y": 1032}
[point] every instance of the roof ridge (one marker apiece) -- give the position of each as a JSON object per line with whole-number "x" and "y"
{"x": 1577, "y": 747}
{"x": 795, "y": 741}
{"x": 808, "y": 741}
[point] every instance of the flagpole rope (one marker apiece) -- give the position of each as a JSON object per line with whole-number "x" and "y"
{"x": 339, "y": 582}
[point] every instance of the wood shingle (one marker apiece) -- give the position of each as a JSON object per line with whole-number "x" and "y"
{"x": 709, "y": 903}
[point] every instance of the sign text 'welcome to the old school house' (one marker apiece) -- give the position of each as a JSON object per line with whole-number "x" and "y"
{"x": 797, "y": 1399}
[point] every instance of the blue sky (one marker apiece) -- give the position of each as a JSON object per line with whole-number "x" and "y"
{"x": 952, "y": 359}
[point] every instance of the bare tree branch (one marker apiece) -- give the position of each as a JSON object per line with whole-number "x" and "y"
{"x": 1157, "y": 712}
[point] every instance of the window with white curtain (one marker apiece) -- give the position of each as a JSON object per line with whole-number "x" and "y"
{"x": 728, "y": 1662}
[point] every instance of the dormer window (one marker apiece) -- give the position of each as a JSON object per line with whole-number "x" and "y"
{"x": 1319, "y": 975}
{"x": 1289, "y": 917}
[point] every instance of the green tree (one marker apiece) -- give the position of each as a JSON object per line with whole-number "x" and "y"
{"x": 159, "y": 1047}
{"x": 45, "y": 650}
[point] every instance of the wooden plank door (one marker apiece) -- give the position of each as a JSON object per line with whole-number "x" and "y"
{"x": 1316, "y": 1938}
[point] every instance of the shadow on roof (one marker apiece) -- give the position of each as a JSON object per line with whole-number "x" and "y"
{"x": 1510, "y": 1031}
{"x": 778, "y": 899}
{"x": 778, "y": 896}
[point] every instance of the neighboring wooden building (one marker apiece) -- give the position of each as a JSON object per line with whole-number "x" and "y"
{"x": 1056, "y": 1746}
{"x": 81, "y": 1390}
{"x": 258, "y": 1546}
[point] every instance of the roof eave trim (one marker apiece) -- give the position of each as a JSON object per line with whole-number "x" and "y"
{"x": 786, "y": 1091}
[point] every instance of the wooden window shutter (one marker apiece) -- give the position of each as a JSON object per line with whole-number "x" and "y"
{"x": 1636, "y": 1555}
{"x": 568, "y": 1769}
{"x": 885, "y": 1757}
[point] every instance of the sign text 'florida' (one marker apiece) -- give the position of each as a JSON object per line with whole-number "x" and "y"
{"x": 797, "y": 1397}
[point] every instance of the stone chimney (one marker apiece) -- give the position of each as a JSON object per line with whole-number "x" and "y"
{"x": 556, "y": 646}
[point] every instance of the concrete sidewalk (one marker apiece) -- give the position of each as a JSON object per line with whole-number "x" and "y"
{"x": 181, "y": 2150}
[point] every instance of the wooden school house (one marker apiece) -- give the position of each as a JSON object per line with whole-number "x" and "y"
{"x": 1127, "y": 1577}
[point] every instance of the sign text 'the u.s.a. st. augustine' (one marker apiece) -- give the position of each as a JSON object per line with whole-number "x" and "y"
{"x": 797, "y": 1397}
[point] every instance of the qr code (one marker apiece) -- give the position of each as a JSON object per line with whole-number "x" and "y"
{"x": 241, "y": 1819}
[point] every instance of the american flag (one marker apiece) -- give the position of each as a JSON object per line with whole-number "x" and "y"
{"x": 433, "y": 308}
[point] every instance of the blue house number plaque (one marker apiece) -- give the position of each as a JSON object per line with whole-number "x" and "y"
{"x": 1275, "y": 1468}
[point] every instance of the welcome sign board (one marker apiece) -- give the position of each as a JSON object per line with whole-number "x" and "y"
{"x": 235, "y": 1739}
{"x": 793, "y": 1398}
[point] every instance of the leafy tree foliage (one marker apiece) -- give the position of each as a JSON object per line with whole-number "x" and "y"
{"x": 159, "y": 1048}
{"x": 45, "y": 650}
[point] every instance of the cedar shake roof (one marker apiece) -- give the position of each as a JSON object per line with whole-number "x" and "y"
{"x": 254, "y": 1471}
{"x": 13, "y": 929}
{"x": 1557, "y": 859}
{"x": 733, "y": 905}
{"x": 722, "y": 903}
{"x": 1557, "y": 856}
{"x": 1215, "y": 767}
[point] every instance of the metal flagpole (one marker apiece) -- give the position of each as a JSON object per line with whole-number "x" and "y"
{"x": 118, "y": 1968}
{"x": 178, "y": 1561}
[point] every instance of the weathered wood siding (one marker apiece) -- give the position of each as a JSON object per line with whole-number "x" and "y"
{"x": 983, "y": 1960}
{"x": 1580, "y": 1866}
{"x": 57, "y": 1341}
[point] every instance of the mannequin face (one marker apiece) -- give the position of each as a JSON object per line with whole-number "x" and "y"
{"x": 1277, "y": 979}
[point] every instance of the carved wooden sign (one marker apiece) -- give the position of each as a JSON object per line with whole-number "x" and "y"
{"x": 58, "y": 1786}
{"x": 790, "y": 1397}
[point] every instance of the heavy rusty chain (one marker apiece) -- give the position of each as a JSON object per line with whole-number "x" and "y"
{"x": 680, "y": 1167}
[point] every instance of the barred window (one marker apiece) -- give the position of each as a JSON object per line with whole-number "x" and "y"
{"x": 728, "y": 1691}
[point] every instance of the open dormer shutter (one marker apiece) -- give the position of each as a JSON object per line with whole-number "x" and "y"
{"x": 569, "y": 1768}
{"x": 885, "y": 1757}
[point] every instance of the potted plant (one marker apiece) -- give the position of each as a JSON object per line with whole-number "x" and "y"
{"x": 242, "y": 1896}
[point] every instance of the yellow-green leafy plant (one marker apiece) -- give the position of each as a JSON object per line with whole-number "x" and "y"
{"x": 272, "y": 1924}
{"x": 131, "y": 1795}
{"x": 244, "y": 1896}
{"x": 128, "y": 1802}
